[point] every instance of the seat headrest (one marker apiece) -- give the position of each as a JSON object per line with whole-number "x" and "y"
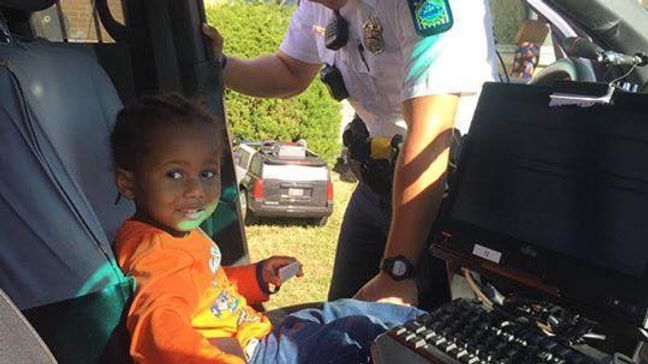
{"x": 27, "y": 5}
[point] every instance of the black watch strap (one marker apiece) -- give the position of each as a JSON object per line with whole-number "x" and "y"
{"x": 398, "y": 267}
{"x": 223, "y": 61}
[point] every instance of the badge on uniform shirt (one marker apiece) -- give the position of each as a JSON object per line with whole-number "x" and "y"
{"x": 372, "y": 34}
{"x": 319, "y": 30}
{"x": 431, "y": 17}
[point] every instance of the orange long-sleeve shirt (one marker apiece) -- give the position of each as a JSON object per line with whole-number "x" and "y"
{"x": 184, "y": 297}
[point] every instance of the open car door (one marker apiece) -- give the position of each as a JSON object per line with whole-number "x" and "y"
{"x": 59, "y": 100}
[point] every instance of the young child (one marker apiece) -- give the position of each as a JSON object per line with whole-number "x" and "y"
{"x": 187, "y": 307}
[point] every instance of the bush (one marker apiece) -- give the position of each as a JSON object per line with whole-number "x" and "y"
{"x": 257, "y": 28}
{"x": 507, "y": 16}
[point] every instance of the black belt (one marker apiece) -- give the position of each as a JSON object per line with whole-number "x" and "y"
{"x": 372, "y": 160}
{"x": 378, "y": 172}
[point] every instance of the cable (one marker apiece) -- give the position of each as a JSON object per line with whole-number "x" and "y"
{"x": 595, "y": 336}
{"x": 478, "y": 292}
{"x": 551, "y": 319}
{"x": 643, "y": 332}
{"x": 499, "y": 56}
{"x": 614, "y": 81}
{"x": 639, "y": 350}
{"x": 493, "y": 294}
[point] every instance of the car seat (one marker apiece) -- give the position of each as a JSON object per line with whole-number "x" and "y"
{"x": 19, "y": 342}
{"x": 57, "y": 212}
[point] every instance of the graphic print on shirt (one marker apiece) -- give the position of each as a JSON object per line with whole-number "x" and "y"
{"x": 224, "y": 303}
{"x": 246, "y": 316}
{"x": 215, "y": 261}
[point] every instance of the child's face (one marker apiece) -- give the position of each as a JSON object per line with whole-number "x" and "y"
{"x": 177, "y": 183}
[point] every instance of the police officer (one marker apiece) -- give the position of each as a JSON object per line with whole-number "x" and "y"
{"x": 410, "y": 67}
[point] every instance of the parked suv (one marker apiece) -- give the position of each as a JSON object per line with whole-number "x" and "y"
{"x": 278, "y": 179}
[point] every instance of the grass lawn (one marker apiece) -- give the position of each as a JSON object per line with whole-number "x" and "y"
{"x": 313, "y": 246}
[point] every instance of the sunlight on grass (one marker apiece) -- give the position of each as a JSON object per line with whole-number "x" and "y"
{"x": 314, "y": 246}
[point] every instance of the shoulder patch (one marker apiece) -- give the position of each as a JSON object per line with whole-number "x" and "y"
{"x": 431, "y": 17}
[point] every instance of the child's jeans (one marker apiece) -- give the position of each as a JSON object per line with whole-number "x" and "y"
{"x": 340, "y": 332}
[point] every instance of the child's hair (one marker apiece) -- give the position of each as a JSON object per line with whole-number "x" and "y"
{"x": 130, "y": 136}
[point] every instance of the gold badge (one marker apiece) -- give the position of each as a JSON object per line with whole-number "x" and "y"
{"x": 373, "y": 39}
{"x": 319, "y": 30}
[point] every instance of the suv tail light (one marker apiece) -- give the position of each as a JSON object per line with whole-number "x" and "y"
{"x": 329, "y": 191}
{"x": 258, "y": 190}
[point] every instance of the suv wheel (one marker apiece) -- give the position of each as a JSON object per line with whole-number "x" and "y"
{"x": 320, "y": 221}
{"x": 246, "y": 214}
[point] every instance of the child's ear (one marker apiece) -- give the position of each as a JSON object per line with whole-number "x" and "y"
{"x": 125, "y": 183}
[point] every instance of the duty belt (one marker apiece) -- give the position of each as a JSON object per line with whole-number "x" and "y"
{"x": 372, "y": 160}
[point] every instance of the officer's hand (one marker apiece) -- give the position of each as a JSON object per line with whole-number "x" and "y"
{"x": 215, "y": 38}
{"x": 382, "y": 288}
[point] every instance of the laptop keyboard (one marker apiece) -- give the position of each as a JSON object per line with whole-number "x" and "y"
{"x": 463, "y": 331}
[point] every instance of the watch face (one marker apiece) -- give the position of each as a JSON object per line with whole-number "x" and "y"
{"x": 399, "y": 268}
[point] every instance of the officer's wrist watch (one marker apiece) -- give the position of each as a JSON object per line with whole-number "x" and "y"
{"x": 222, "y": 61}
{"x": 398, "y": 267}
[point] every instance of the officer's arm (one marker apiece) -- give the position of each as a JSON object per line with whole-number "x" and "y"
{"x": 420, "y": 173}
{"x": 418, "y": 189}
{"x": 275, "y": 75}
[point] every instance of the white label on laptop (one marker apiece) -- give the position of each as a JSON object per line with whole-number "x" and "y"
{"x": 288, "y": 271}
{"x": 486, "y": 253}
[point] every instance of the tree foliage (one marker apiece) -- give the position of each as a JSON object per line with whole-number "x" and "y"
{"x": 256, "y": 28}
{"x": 507, "y": 16}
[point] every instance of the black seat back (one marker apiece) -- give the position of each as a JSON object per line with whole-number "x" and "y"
{"x": 58, "y": 215}
{"x": 57, "y": 212}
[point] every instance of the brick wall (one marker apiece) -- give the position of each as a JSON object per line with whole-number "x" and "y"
{"x": 80, "y": 22}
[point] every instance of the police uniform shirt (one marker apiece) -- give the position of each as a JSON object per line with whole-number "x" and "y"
{"x": 459, "y": 60}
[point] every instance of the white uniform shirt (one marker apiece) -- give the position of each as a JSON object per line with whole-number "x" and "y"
{"x": 457, "y": 61}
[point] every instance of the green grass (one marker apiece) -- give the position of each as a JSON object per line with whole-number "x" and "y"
{"x": 314, "y": 247}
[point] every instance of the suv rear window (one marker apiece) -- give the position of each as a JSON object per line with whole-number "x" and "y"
{"x": 291, "y": 151}
{"x": 244, "y": 158}
{"x": 255, "y": 165}
{"x": 295, "y": 172}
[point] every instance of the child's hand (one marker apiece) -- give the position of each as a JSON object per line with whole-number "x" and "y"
{"x": 271, "y": 266}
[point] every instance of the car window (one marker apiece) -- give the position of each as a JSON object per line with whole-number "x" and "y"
{"x": 75, "y": 21}
{"x": 255, "y": 165}
{"x": 244, "y": 159}
{"x": 518, "y": 33}
{"x": 297, "y": 173}
{"x": 236, "y": 154}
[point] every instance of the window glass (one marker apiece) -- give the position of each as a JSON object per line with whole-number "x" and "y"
{"x": 245, "y": 158}
{"x": 508, "y": 16}
{"x": 644, "y": 3}
{"x": 255, "y": 165}
{"x": 236, "y": 155}
{"x": 295, "y": 173}
{"x": 523, "y": 40}
{"x": 79, "y": 21}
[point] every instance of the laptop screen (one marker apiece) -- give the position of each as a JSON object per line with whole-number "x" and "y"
{"x": 572, "y": 193}
{"x": 558, "y": 193}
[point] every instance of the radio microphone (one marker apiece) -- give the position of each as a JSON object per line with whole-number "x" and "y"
{"x": 584, "y": 48}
